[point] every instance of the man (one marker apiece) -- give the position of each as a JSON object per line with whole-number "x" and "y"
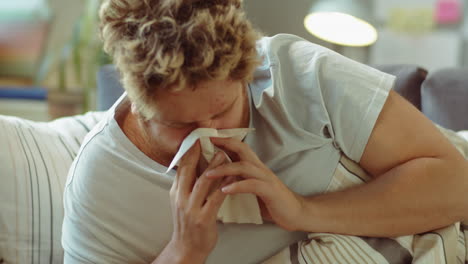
{"x": 195, "y": 64}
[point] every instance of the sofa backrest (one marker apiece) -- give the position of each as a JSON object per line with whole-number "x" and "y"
{"x": 444, "y": 96}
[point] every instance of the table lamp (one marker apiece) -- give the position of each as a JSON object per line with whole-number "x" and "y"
{"x": 342, "y": 22}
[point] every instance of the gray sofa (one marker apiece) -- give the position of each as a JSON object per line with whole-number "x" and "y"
{"x": 442, "y": 95}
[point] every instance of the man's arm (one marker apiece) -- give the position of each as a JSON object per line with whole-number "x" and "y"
{"x": 171, "y": 254}
{"x": 420, "y": 181}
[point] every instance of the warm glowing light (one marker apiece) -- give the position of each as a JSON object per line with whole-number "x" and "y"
{"x": 341, "y": 29}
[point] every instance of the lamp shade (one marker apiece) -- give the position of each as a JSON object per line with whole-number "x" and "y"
{"x": 343, "y": 22}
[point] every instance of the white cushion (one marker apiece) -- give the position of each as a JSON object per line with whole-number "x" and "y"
{"x": 34, "y": 162}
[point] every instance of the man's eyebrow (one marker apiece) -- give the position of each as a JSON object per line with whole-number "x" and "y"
{"x": 214, "y": 116}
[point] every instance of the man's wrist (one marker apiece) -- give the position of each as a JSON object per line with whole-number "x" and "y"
{"x": 174, "y": 254}
{"x": 182, "y": 255}
{"x": 309, "y": 219}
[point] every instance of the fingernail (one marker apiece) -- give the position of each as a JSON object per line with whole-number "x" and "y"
{"x": 218, "y": 157}
{"x": 209, "y": 173}
{"x": 225, "y": 189}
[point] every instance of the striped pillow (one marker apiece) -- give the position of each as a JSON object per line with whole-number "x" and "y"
{"x": 34, "y": 162}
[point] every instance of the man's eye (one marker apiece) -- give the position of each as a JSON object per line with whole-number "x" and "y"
{"x": 179, "y": 126}
{"x": 218, "y": 116}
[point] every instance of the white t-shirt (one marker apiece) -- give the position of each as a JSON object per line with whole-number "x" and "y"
{"x": 308, "y": 106}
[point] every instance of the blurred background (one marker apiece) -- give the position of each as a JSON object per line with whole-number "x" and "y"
{"x": 50, "y": 52}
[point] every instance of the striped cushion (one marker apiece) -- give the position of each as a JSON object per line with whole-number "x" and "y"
{"x": 34, "y": 162}
{"x": 443, "y": 246}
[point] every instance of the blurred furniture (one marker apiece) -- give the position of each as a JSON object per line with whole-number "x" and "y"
{"x": 35, "y": 157}
{"x": 441, "y": 95}
{"x": 444, "y": 98}
{"x": 22, "y": 47}
{"x": 27, "y": 102}
{"x": 109, "y": 88}
{"x": 23, "y": 40}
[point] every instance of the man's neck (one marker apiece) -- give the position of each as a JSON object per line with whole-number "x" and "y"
{"x": 134, "y": 130}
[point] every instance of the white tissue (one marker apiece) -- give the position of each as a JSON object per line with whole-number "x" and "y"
{"x": 238, "y": 208}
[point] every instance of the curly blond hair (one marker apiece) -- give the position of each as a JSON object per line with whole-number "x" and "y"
{"x": 175, "y": 44}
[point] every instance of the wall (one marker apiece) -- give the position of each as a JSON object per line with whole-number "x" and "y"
{"x": 270, "y": 16}
{"x": 279, "y": 16}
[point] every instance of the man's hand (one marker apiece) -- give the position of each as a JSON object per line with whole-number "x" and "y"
{"x": 281, "y": 205}
{"x": 194, "y": 211}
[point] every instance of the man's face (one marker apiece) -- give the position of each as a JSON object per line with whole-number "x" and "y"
{"x": 212, "y": 104}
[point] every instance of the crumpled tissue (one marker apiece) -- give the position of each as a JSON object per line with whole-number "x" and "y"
{"x": 238, "y": 208}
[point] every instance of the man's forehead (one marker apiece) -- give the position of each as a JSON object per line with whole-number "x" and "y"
{"x": 201, "y": 85}
{"x": 175, "y": 109}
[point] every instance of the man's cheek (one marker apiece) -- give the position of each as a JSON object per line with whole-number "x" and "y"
{"x": 174, "y": 137}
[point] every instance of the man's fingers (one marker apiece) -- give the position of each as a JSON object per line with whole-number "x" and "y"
{"x": 213, "y": 203}
{"x": 204, "y": 186}
{"x": 240, "y": 148}
{"x": 241, "y": 168}
{"x": 216, "y": 199}
{"x": 186, "y": 172}
{"x": 253, "y": 186}
{"x": 191, "y": 157}
{"x": 218, "y": 159}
